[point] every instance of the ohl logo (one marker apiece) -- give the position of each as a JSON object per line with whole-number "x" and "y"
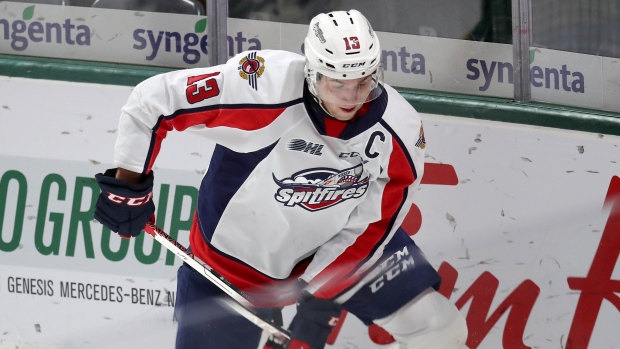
{"x": 251, "y": 67}
{"x": 320, "y": 188}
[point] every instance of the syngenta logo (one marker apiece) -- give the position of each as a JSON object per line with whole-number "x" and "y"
{"x": 558, "y": 77}
{"x": 191, "y": 45}
{"x": 23, "y": 31}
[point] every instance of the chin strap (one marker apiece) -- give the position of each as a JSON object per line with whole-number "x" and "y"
{"x": 327, "y": 114}
{"x": 319, "y": 102}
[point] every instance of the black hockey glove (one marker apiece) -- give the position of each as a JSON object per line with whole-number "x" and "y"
{"x": 123, "y": 207}
{"x": 313, "y": 322}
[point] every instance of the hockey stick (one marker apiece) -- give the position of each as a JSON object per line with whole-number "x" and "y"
{"x": 241, "y": 301}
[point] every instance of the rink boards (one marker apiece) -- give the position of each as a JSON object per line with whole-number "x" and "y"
{"x": 520, "y": 221}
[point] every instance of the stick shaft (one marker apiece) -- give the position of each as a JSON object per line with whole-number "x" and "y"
{"x": 240, "y": 301}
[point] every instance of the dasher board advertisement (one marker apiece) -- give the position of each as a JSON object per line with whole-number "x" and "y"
{"x": 521, "y": 222}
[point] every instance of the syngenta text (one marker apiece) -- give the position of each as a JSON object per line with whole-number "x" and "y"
{"x": 548, "y": 77}
{"x": 22, "y": 33}
{"x": 191, "y": 45}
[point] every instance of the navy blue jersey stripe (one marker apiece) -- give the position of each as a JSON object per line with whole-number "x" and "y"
{"x": 181, "y": 112}
{"x": 233, "y": 106}
{"x": 227, "y": 172}
{"x": 402, "y": 145}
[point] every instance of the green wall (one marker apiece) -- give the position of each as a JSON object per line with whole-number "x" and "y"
{"x": 498, "y": 109}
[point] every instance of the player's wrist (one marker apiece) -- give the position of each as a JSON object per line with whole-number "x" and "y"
{"x": 111, "y": 179}
{"x": 127, "y": 175}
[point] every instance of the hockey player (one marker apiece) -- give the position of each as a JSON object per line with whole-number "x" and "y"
{"x": 315, "y": 167}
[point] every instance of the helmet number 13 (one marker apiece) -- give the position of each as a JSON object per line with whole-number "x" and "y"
{"x": 352, "y": 43}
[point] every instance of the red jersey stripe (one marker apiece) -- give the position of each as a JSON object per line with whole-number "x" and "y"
{"x": 267, "y": 292}
{"x": 247, "y": 119}
{"x": 337, "y": 276}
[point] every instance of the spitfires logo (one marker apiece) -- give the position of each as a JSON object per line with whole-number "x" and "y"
{"x": 320, "y": 188}
{"x": 251, "y": 67}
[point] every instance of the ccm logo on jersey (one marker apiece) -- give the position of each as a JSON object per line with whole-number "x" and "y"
{"x": 395, "y": 264}
{"x": 143, "y": 200}
{"x": 370, "y": 150}
{"x": 320, "y": 188}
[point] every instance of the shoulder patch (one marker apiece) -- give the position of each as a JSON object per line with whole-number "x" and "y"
{"x": 251, "y": 67}
{"x": 421, "y": 143}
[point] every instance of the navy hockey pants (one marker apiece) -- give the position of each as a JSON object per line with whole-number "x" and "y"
{"x": 203, "y": 323}
{"x": 403, "y": 273}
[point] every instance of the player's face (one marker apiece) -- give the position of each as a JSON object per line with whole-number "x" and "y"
{"x": 343, "y": 98}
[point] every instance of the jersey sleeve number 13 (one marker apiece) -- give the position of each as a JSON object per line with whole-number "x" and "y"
{"x": 196, "y": 92}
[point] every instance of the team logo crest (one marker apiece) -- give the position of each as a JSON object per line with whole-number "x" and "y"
{"x": 320, "y": 188}
{"x": 251, "y": 67}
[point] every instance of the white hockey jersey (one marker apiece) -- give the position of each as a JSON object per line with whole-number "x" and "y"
{"x": 284, "y": 196}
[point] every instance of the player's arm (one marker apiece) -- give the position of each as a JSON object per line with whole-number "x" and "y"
{"x": 160, "y": 104}
{"x": 311, "y": 325}
{"x": 231, "y": 113}
{"x": 125, "y": 204}
{"x": 216, "y": 102}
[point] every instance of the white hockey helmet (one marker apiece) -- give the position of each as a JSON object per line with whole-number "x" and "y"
{"x": 343, "y": 46}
